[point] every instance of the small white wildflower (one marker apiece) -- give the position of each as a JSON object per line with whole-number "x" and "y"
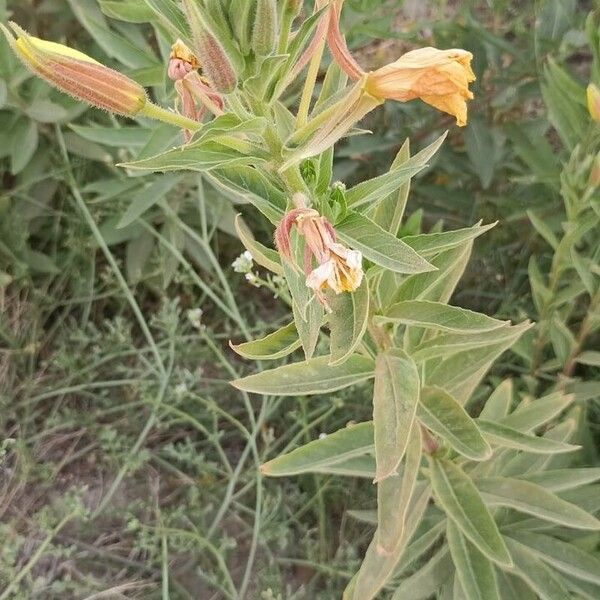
{"x": 194, "y": 316}
{"x": 252, "y": 279}
{"x": 322, "y": 436}
{"x": 243, "y": 263}
{"x": 180, "y": 389}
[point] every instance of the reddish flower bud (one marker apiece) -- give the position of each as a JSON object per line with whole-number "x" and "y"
{"x": 215, "y": 63}
{"x": 77, "y": 74}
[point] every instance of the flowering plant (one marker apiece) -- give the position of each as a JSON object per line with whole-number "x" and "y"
{"x": 450, "y": 487}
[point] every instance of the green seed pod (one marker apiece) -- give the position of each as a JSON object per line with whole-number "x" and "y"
{"x": 266, "y": 28}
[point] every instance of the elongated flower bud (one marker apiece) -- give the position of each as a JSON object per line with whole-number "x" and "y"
{"x": 264, "y": 35}
{"x": 593, "y": 102}
{"x": 77, "y": 74}
{"x": 215, "y": 63}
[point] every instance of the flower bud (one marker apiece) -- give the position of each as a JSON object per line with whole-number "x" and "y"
{"x": 264, "y": 35}
{"x": 215, "y": 63}
{"x": 593, "y": 102}
{"x": 293, "y": 7}
{"x": 77, "y": 74}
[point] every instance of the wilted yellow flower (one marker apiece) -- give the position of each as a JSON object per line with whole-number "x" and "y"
{"x": 337, "y": 267}
{"x": 593, "y": 102}
{"x": 438, "y": 77}
{"x": 181, "y": 61}
{"x": 77, "y": 74}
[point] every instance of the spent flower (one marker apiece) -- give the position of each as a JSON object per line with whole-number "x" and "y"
{"x": 440, "y": 78}
{"x": 337, "y": 268}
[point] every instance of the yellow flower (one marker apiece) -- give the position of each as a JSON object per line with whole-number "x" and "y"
{"x": 337, "y": 268}
{"x": 438, "y": 77}
{"x": 593, "y": 102}
{"x": 77, "y": 74}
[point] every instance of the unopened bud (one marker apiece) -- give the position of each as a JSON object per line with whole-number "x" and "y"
{"x": 264, "y": 35}
{"x": 593, "y": 102}
{"x": 215, "y": 63}
{"x": 77, "y": 74}
{"x": 293, "y": 7}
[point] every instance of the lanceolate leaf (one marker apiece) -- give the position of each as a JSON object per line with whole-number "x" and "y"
{"x": 343, "y": 445}
{"x": 563, "y": 556}
{"x": 501, "y": 435}
{"x": 445, "y": 416}
{"x": 203, "y": 156}
{"x": 534, "y": 500}
{"x": 276, "y": 345}
{"x": 265, "y": 257}
{"x": 308, "y": 327}
{"x": 475, "y": 572}
{"x": 348, "y": 322}
{"x": 425, "y": 581}
{"x": 380, "y": 246}
{"x": 499, "y": 403}
{"x": 430, "y": 244}
{"x": 457, "y": 495}
{"x": 439, "y": 316}
{"x": 559, "y": 480}
{"x": 393, "y": 496}
{"x": 538, "y": 412}
{"x": 313, "y": 376}
{"x": 395, "y": 399}
{"x": 376, "y": 568}
{"x": 536, "y": 573}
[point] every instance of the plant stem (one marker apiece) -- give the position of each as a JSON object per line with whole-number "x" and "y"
{"x": 152, "y": 111}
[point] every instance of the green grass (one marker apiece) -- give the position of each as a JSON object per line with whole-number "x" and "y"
{"x": 128, "y": 464}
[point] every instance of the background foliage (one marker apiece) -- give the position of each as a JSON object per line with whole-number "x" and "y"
{"x": 114, "y": 365}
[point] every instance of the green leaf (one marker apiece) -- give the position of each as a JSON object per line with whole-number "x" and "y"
{"x": 501, "y": 435}
{"x": 559, "y": 480}
{"x": 171, "y": 17}
{"x": 459, "y": 498}
{"x": 265, "y": 257}
{"x": 154, "y": 191}
{"x": 563, "y": 556}
{"x": 481, "y": 150}
{"x": 589, "y": 357}
{"x": 541, "y": 226}
{"x": 426, "y": 581}
{"x": 200, "y": 157}
{"x": 321, "y": 454}
{"x": 132, "y": 12}
{"x": 347, "y": 322}
{"x": 377, "y": 568}
{"x": 395, "y": 399}
{"x": 276, "y": 345}
{"x": 123, "y": 137}
{"x": 536, "y": 574}
{"x": 534, "y": 500}
{"x": 439, "y": 316}
{"x": 313, "y": 376}
{"x": 393, "y": 496}
{"x": 499, "y": 403}
{"x": 245, "y": 184}
{"x": 430, "y": 244}
{"x": 461, "y": 373}
{"x": 475, "y": 572}
{"x": 445, "y": 345}
{"x": 441, "y": 413}
{"x": 533, "y": 414}
{"x": 380, "y": 246}
{"x": 374, "y": 190}
{"x": 309, "y": 326}
{"x": 389, "y": 211}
